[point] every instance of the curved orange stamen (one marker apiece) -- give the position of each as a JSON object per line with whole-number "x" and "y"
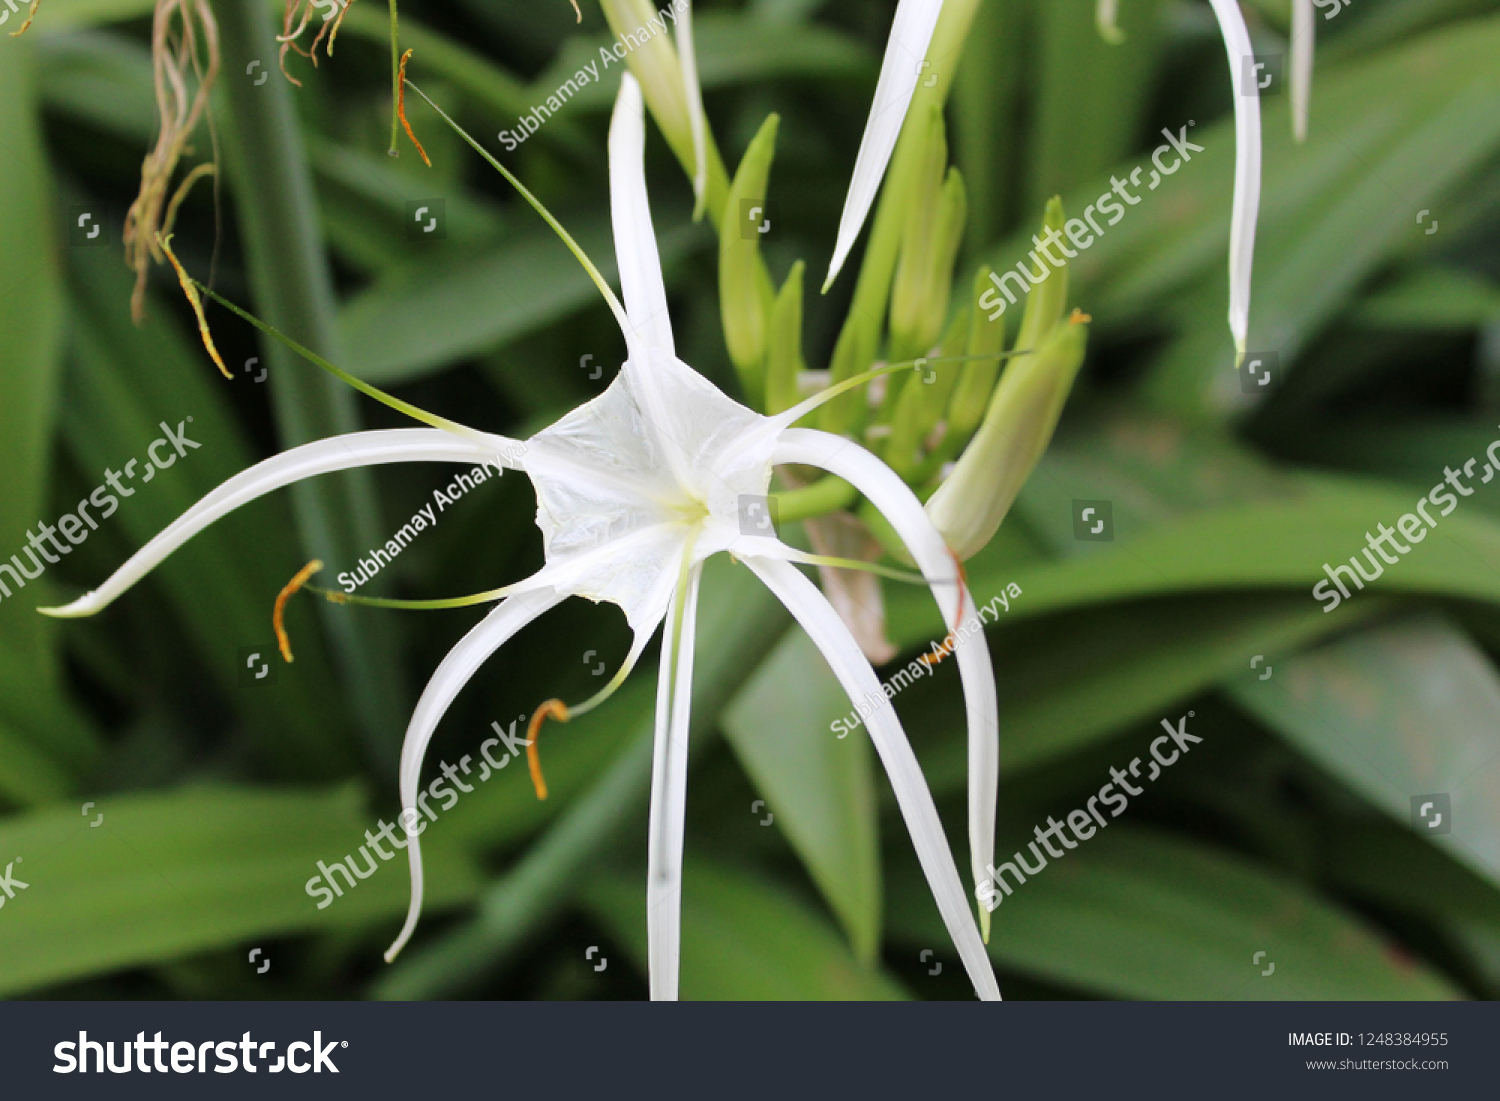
{"x": 282, "y": 597}
{"x": 552, "y": 709}
{"x": 401, "y": 107}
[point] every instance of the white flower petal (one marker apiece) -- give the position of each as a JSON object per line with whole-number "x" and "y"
{"x": 822, "y": 624}
{"x": 1304, "y": 35}
{"x": 470, "y": 652}
{"x": 320, "y": 457}
{"x": 674, "y": 698}
{"x": 911, "y": 32}
{"x": 689, "y": 56}
{"x": 630, "y": 215}
{"x": 898, "y": 504}
{"x": 1247, "y": 158}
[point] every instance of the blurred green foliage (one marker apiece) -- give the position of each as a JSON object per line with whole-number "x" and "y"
{"x": 1286, "y": 831}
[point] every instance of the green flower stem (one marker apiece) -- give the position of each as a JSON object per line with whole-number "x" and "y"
{"x": 738, "y": 624}
{"x": 395, "y": 150}
{"x": 288, "y": 272}
{"x": 827, "y": 494}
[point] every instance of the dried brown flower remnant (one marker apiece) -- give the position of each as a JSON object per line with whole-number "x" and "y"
{"x": 300, "y": 12}
{"x": 183, "y": 83}
{"x": 31, "y": 14}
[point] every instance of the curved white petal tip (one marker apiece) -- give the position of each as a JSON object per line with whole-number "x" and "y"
{"x": 911, "y": 34}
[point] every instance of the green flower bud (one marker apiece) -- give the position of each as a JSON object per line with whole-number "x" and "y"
{"x": 924, "y": 397}
{"x": 784, "y": 347}
{"x": 935, "y": 210}
{"x": 976, "y": 379}
{"x": 968, "y": 507}
{"x": 1048, "y": 299}
{"x": 655, "y": 63}
{"x": 859, "y": 340}
{"x": 745, "y": 291}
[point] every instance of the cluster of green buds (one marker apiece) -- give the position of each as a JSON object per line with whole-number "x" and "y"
{"x": 966, "y": 425}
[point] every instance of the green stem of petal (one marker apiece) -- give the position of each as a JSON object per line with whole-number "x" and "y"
{"x": 336, "y": 596}
{"x": 536, "y": 204}
{"x": 826, "y": 495}
{"x": 339, "y": 373}
{"x": 904, "y": 576}
{"x": 797, "y": 412}
{"x": 395, "y": 149}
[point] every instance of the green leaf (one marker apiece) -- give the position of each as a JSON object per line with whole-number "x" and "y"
{"x": 1279, "y": 543}
{"x": 124, "y": 381}
{"x": 1432, "y": 298}
{"x": 100, "y": 77}
{"x": 1068, "y": 680}
{"x": 820, "y": 787}
{"x": 432, "y": 313}
{"x": 1090, "y": 95}
{"x": 1397, "y": 712}
{"x": 62, "y": 14}
{"x": 37, "y": 725}
{"x": 731, "y": 50}
{"x": 167, "y": 875}
{"x": 1132, "y": 913}
{"x": 743, "y": 939}
{"x": 1391, "y": 865}
{"x": 337, "y": 516}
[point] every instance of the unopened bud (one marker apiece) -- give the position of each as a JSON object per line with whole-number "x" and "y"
{"x": 935, "y": 212}
{"x": 784, "y": 346}
{"x": 1048, "y": 298}
{"x": 745, "y": 291}
{"x": 969, "y": 506}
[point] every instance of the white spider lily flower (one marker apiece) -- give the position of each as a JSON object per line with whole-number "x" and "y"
{"x": 1304, "y": 36}
{"x": 911, "y": 34}
{"x": 634, "y": 490}
{"x": 1247, "y": 158}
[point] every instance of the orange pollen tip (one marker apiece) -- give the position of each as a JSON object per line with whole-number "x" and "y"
{"x": 282, "y": 597}
{"x": 401, "y": 107}
{"x": 1079, "y": 317}
{"x": 552, "y": 709}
